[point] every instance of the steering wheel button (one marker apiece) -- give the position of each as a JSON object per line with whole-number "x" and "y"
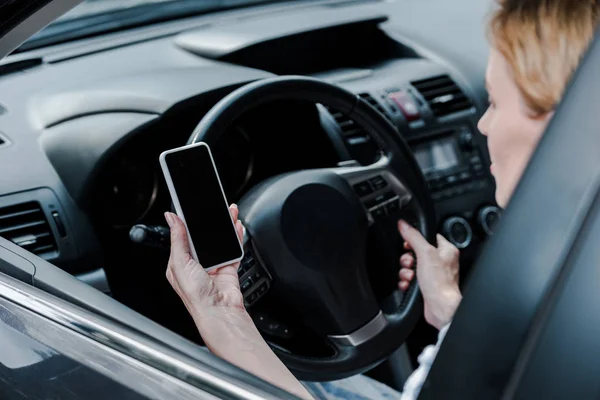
{"x": 246, "y": 285}
{"x": 363, "y": 188}
{"x": 378, "y": 182}
{"x": 252, "y": 297}
{"x": 262, "y": 288}
{"x": 392, "y": 207}
{"x": 378, "y": 212}
{"x": 248, "y": 260}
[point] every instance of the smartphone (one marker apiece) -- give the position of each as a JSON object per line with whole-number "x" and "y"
{"x": 200, "y": 201}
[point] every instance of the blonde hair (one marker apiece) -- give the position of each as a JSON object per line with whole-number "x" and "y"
{"x": 543, "y": 42}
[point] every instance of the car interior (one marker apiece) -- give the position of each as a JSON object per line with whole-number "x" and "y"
{"x": 84, "y": 121}
{"x": 381, "y": 95}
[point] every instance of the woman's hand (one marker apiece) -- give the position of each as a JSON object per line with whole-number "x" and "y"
{"x": 202, "y": 292}
{"x": 437, "y": 274}
{"x": 216, "y": 304}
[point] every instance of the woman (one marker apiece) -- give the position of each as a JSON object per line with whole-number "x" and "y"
{"x": 536, "y": 46}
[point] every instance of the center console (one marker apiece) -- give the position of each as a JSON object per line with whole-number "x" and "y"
{"x": 457, "y": 176}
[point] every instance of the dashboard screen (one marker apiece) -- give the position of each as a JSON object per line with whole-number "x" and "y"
{"x": 438, "y": 155}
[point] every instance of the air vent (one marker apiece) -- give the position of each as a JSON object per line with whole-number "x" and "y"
{"x": 348, "y": 127}
{"x": 443, "y": 95}
{"x": 374, "y": 103}
{"x": 26, "y": 225}
{"x": 360, "y": 144}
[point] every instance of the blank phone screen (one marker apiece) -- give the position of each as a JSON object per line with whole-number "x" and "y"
{"x": 204, "y": 208}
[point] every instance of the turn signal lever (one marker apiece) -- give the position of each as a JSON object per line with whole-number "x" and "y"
{"x": 152, "y": 236}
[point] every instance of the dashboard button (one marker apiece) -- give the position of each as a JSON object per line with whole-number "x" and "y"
{"x": 458, "y": 231}
{"x": 363, "y": 188}
{"x": 465, "y": 176}
{"x": 466, "y": 141}
{"x": 407, "y": 105}
{"x": 446, "y": 194}
{"x": 451, "y": 179}
{"x": 459, "y": 190}
{"x": 487, "y": 218}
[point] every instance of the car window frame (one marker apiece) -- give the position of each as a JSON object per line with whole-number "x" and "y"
{"x": 97, "y": 342}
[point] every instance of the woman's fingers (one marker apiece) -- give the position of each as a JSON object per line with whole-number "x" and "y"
{"x": 407, "y": 274}
{"x": 407, "y": 260}
{"x": 239, "y": 228}
{"x": 403, "y": 285}
{"x": 180, "y": 247}
{"x": 240, "y": 231}
{"x": 234, "y": 211}
{"x": 447, "y": 250}
{"x": 413, "y": 237}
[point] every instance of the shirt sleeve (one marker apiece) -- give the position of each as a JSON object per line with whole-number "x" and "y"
{"x": 415, "y": 381}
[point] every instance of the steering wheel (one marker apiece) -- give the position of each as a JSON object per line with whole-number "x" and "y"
{"x": 309, "y": 228}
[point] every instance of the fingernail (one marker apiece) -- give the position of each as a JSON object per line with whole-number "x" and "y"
{"x": 169, "y": 219}
{"x": 234, "y": 205}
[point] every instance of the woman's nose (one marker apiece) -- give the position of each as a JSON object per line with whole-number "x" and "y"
{"x": 482, "y": 125}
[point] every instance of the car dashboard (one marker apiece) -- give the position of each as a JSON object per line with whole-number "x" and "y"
{"x": 82, "y": 123}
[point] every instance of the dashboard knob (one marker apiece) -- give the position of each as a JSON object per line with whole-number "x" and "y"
{"x": 466, "y": 141}
{"x": 458, "y": 232}
{"x": 488, "y": 217}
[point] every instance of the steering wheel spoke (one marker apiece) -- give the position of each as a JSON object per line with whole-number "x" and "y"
{"x": 363, "y": 334}
{"x": 379, "y": 189}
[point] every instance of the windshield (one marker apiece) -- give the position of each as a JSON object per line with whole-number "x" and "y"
{"x": 94, "y": 17}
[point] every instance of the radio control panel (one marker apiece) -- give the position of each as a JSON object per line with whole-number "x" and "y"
{"x": 451, "y": 163}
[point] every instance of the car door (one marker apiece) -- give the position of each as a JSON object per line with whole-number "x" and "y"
{"x": 52, "y": 348}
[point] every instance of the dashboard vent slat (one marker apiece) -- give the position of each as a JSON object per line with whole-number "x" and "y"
{"x": 443, "y": 95}
{"x": 359, "y": 142}
{"x": 26, "y": 225}
{"x": 375, "y": 104}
